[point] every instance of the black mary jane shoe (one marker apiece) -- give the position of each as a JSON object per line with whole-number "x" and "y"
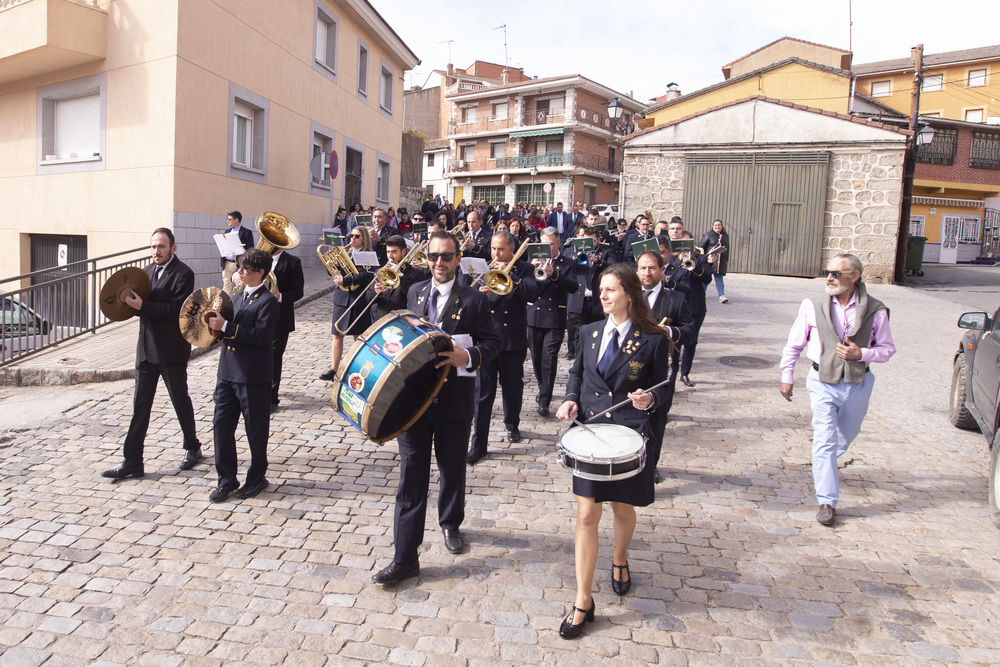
{"x": 618, "y": 585}
{"x": 569, "y": 631}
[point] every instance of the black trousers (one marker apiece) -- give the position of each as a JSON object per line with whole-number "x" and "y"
{"x": 147, "y": 376}
{"x": 509, "y": 367}
{"x": 231, "y": 400}
{"x": 544, "y": 345}
{"x": 280, "y": 343}
{"x": 449, "y": 438}
{"x": 576, "y": 320}
{"x": 687, "y": 355}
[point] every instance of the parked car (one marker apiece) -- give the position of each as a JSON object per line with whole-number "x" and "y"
{"x": 975, "y": 390}
{"x": 22, "y": 329}
{"x": 607, "y": 211}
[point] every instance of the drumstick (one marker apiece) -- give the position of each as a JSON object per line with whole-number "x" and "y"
{"x": 580, "y": 423}
{"x": 629, "y": 400}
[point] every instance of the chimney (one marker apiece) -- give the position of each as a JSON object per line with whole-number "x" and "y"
{"x": 505, "y": 76}
{"x": 673, "y": 91}
{"x": 450, "y": 78}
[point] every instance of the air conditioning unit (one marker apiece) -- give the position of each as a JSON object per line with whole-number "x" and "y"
{"x": 460, "y": 164}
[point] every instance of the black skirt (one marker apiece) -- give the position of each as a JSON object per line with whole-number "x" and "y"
{"x": 638, "y": 491}
{"x": 342, "y": 300}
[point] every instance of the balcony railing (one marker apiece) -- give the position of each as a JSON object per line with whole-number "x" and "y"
{"x": 571, "y": 160}
{"x": 985, "y": 150}
{"x": 942, "y": 148}
{"x": 534, "y": 118}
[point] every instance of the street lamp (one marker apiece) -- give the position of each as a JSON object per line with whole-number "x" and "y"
{"x": 534, "y": 172}
{"x": 615, "y": 112}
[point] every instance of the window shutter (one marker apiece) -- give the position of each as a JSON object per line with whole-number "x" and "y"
{"x": 78, "y": 127}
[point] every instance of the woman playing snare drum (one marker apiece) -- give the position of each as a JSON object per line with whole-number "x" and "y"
{"x": 616, "y": 360}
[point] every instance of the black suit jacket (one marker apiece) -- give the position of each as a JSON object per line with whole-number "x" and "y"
{"x": 160, "y": 340}
{"x": 673, "y": 305}
{"x": 510, "y": 312}
{"x": 246, "y": 345}
{"x": 395, "y": 299}
{"x": 379, "y": 247}
{"x": 643, "y": 361}
{"x": 692, "y": 281}
{"x": 467, "y": 312}
{"x": 291, "y": 284}
{"x": 482, "y": 242}
{"x": 549, "y": 310}
{"x": 246, "y": 238}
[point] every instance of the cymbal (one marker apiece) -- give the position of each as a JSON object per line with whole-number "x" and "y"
{"x": 197, "y": 308}
{"x": 117, "y": 287}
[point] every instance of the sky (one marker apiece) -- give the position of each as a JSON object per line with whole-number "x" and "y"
{"x": 639, "y": 46}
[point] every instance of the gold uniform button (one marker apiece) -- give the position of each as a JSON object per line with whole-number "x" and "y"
{"x": 608, "y": 415}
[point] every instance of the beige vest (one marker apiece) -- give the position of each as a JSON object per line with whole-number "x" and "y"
{"x": 833, "y": 369}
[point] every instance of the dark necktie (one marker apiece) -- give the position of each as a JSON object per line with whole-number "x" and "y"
{"x": 432, "y": 307}
{"x": 609, "y": 354}
{"x": 156, "y": 275}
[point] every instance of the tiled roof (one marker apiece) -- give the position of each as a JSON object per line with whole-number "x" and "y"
{"x": 802, "y": 41}
{"x": 932, "y": 60}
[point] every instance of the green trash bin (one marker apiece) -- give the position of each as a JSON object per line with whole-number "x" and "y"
{"x": 915, "y": 255}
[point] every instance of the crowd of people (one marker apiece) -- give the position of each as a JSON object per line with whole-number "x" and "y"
{"x": 628, "y": 298}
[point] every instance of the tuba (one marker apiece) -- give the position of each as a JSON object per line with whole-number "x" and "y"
{"x": 337, "y": 261}
{"x": 276, "y": 231}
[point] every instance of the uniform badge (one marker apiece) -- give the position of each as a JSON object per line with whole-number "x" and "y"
{"x": 595, "y": 334}
{"x": 634, "y": 368}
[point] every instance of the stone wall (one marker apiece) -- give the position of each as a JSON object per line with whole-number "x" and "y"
{"x": 864, "y": 190}
{"x": 411, "y": 197}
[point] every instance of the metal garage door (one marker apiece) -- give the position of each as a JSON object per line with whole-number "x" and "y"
{"x": 772, "y": 205}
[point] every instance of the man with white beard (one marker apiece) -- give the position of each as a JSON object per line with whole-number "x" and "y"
{"x": 842, "y": 332}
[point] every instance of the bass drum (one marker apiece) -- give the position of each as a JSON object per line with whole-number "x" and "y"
{"x": 388, "y": 379}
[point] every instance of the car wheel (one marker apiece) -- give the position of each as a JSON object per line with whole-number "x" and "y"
{"x": 959, "y": 415}
{"x": 994, "y": 492}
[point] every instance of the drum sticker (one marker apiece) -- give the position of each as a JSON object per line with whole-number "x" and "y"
{"x": 392, "y": 334}
{"x": 392, "y": 349}
{"x": 356, "y": 382}
{"x": 634, "y": 368}
{"x": 365, "y": 370}
{"x": 352, "y": 404}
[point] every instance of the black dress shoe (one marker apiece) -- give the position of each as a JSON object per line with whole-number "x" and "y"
{"x": 453, "y": 540}
{"x": 569, "y": 631}
{"x": 251, "y": 489}
{"x": 570, "y": 355}
{"x": 826, "y": 514}
{"x": 124, "y": 471}
{"x": 396, "y": 572}
{"x": 222, "y": 491}
{"x": 543, "y": 411}
{"x": 621, "y": 585}
{"x": 191, "y": 458}
{"x": 474, "y": 455}
{"x": 687, "y": 381}
{"x": 656, "y": 477}
{"x": 274, "y": 408}
{"x": 513, "y": 434}
{"x": 329, "y": 375}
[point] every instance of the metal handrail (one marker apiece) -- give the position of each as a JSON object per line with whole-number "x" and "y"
{"x": 57, "y": 304}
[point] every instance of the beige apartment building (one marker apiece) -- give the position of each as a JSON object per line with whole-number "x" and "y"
{"x": 120, "y": 116}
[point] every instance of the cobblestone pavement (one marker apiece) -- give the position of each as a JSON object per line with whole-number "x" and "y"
{"x": 729, "y": 565}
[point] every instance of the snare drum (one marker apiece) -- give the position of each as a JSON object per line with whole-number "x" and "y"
{"x": 611, "y": 452}
{"x": 387, "y": 380}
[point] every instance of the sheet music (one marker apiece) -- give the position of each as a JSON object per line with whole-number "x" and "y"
{"x": 463, "y": 341}
{"x": 229, "y": 245}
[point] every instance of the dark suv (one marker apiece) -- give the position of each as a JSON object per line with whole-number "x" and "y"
{"x": 975, "y": 390}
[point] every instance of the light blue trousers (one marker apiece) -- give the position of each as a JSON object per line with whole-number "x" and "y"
{"x": 838, "y": 410}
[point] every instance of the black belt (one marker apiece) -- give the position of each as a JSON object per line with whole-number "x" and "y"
{"x": 868, "y": 369}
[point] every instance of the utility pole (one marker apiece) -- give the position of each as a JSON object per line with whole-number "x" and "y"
{"x": 909, "y": 165}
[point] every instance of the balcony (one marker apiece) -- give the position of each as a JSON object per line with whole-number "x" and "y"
{"x": 573, "y": 160}
{"x": 581, "y": 116}
{"x": 44, "y": 36}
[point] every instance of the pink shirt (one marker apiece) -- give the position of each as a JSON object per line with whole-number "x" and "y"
{"x": 804, "y": 336}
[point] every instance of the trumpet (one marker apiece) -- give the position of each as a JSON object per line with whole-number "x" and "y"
{"x": 687, "y": 258}
{"x": 337, "y": 261}
{"x": 459, "y": 233}
{"x": 540, "y": 273}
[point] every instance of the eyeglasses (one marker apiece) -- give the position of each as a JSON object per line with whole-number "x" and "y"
{"x": 355, "y": 236}
{"x": 837, "y": 274}
{"x": 443, "y": 256}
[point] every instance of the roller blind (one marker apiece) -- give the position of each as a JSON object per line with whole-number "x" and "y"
{"x": 78, "y": 127}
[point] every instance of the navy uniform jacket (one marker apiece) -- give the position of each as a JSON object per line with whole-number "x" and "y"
{"x": 549, "y": 309}
{"x": 625, "y": 251}
{"x": 467, "y": 312}
{"x": 589, "y": 275}
{"x": 291, "y": 284}
{"x": 482, "y": 242}
{"x": 160, "y": 340}
{"x": 395, "y": 299}
{"x": 246, "y": 238}
{"x": 673, "y": 305}
{"x": 510, "y": 312}
{"x": 246, "y": 340}
{"x": 642, "y": 362}
{"x": 693, "y": 281}
{"x": 379, "y": 247}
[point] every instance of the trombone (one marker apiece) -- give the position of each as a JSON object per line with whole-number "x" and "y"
{"x": 499, "y": 281}
{"x": 389, "y": 277}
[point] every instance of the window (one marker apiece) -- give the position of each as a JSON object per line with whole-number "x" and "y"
{"x": 469, "y": 114}
{"x": 362, "y": 70}
{"x": 248, "y": 114}
{"x": 881, "y": 88}
{"x": 498, "y": 149}
{"x": 325, "y": 39}
{"x": 968, "y": 232}
{"x": 985, "y": 150}
{"x": 974, "y": 115}
{"x": 382, "y": 181}
{"x": 322, "y": 142}
{"x": 524, "y": 193}
{"x": 916, "y": 225}
{"x": 932, "y": 83}
{"x": 977, "y": 77}
{"x": 500, "y": 111}
{"x": 430, "y": 163}
{"x": 387, "y": 79}
{"x": 71, "y": 123}
{"x": 467, "y": 151}
{"x": 494, "y": 194}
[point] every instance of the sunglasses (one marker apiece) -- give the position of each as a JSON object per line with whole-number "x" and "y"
{"x": 355, "y": 236}
{"x": 444, "y": 256}
{"x": 837, "y": 274}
